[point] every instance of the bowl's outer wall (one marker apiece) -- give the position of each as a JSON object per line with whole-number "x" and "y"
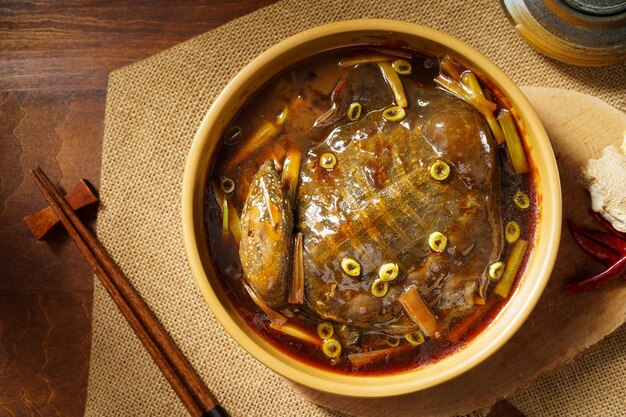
{"x": 292, "y": 51}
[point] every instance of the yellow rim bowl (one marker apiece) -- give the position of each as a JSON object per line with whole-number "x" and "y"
{"x": 292, "y": 51}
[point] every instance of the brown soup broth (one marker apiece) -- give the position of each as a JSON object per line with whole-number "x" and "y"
{"x": 305, "y": 91}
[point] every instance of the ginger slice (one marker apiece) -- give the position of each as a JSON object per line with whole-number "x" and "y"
{"x": 605, "y": 179}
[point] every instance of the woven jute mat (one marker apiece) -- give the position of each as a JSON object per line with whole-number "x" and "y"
{"x": 153, "y": 110}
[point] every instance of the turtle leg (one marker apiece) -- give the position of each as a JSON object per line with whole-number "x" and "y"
{"x": 266, "y": 229}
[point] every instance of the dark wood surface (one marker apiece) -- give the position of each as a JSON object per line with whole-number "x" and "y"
{"x": 183, "y": 379}
{"x": 55, "y": 57}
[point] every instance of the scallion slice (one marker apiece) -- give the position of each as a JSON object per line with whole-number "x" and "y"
{"x": 354, "y": 111}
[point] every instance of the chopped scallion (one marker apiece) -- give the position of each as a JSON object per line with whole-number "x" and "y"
{"x": 234, "y": 223}
{"x": 521, "y": 200}
{"x": 439, "y": 170}
{"x": 496, "y": 131}
{"x": 379, "y": 288}
{"x": 351, "y": 267}
{"x": 325, "y": 330}
{"x": 260, "y": 137}
{"x": 437, "y": 241}
{"x": 391, "y": 76}
{"x": 301, "y": 333}
{"x": 415, "y": 338}
{"x": 225, "y": 216}
{"x": 512, "y": 231}
{"x": 514, "y": 143}
{"x": 354, "y": 111}
{"x": 480, "y": 103}
{"x": 291, "y": 174}
{"x": 364, "y": 59}
{"x": 388, "y": 271}
{"x": 393, "y": 341}
{"x": 394, "y": 114}
{"x": 402, "y": 67}
{"x": 227, "y": 184}
{"x": 328, "y": 160}
{"x": 282, "y": 116}
{"x": 331, "y": 348}
{"x": 471, "y": 82}
{"x": 495, "y": 270}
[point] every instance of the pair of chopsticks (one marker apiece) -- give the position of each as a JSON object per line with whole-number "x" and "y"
{"x": 195, "y": 396}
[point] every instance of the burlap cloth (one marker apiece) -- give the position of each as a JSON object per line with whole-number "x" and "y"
{"x": 153, "y": 110}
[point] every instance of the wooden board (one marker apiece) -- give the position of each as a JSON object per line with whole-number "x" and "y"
{"x": 562, "y": 325}
{"x": 55, "y": 57}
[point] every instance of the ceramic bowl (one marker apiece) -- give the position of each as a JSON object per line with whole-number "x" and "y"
{"x": 292, "y": 51}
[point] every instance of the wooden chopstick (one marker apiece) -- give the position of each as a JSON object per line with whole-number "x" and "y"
{"x": 193, "y": 393}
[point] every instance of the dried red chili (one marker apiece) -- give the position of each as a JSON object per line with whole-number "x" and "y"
{"x": 598, "y": 280}
{"x": 608, "y": 240}
{"x": 598, "y": 251}
{"x": 607, "y": 248}
{"x": 607, "y": 224}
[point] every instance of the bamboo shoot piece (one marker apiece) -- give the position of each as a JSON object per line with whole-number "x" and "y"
{"x": 279, "y": 322}
{"x": 503, "y": 287}
{"x": 360, "y": 360}
{"x": 291, "y": 174}
{"x": 365, "y": 59}
{"x": 471, "y": 82}
{"x": 297, "y": 332}
{"x": 296, "y": 292}
{"x": 417, "y": 310}
{"x": 514, "y": 144}
{"x": 260, "y": 137}
{"x": 391, "y": 76}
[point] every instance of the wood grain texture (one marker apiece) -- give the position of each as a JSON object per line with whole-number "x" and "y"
{"x": 55, "y": 57}
{"x": 41, "y": 222}
{"x": 562, "y": 326}
{"x": 182, "y": 377}
{"x": 69, "y": 45}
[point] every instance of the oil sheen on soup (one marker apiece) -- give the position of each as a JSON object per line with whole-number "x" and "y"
{"x": 370, "y": 211}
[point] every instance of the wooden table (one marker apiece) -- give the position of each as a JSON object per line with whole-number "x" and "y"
{"x": 55, "y": 57}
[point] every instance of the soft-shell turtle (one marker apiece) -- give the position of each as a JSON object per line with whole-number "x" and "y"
{"x": 379, "y": 204}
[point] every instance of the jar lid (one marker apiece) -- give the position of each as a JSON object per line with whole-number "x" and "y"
{"x": 579, "y": 32}
{"x": 598, "y": 7}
